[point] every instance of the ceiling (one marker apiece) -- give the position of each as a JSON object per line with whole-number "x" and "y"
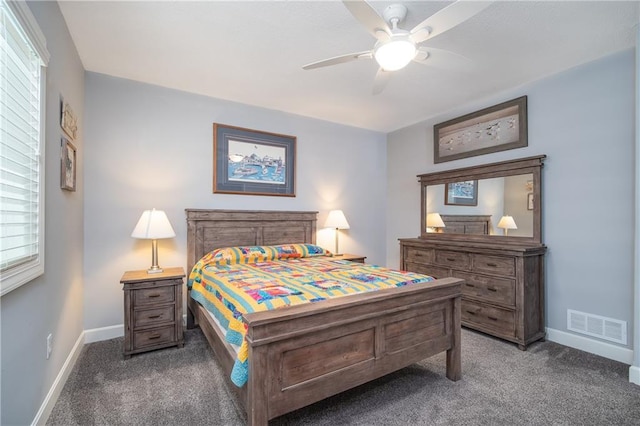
{"x": 253, "y": 52}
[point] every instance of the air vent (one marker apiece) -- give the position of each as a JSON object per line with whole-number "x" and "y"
{"x": 594, "y": 325}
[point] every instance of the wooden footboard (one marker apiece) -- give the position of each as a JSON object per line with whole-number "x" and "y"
{"x": 303, "y": 354}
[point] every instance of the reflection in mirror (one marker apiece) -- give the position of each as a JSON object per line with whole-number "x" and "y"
{"x": 496, "y": 197}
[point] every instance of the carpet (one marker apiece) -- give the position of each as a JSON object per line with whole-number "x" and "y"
{"x": 549, "y": 384}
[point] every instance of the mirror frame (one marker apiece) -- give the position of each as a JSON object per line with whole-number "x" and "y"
{"x": 518, "y": 166}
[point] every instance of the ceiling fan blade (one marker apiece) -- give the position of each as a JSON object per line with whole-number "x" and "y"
{"x": 443, "y": 59}
{"x": 338, "y": 60}
{"x": 447, "y": 18}
{"x": 367, "y": 16}
{"x": 381, "y": 80}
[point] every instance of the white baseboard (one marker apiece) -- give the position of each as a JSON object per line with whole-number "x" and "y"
{"x": 103, "y": 333}
{"x": 597, "y": 347}
{"x": 52, "y": 396}
{"x": 634, "y": 374}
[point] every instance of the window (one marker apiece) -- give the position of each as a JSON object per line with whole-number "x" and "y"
{"x": 23, "y": 58}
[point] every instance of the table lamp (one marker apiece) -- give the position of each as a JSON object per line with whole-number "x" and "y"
{"x": 153, "y": 225}
{"x": 507, "y": 223}
{"x": 336, "y": 220}
{"x": 434, "y": 222}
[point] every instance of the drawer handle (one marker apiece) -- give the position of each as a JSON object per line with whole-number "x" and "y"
{"x": 153, "y": 295}
{"x": 417, "y": 254}
{"x": 154, "y": 316}
{"x": 451, "y": 259}
{"x": 493, "y": 318}
{"x": 492, "y": 264}
{"x": 471, "y": 312}
{"x": 154, "y": 337}
{"x": 469, "y": 285}
{"x": 492, "y": 289}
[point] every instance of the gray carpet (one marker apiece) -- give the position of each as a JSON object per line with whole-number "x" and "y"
{"x": 549, "y": 384}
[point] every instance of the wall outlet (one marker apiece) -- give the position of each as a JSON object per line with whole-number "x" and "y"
{"x": 49, "y": 344}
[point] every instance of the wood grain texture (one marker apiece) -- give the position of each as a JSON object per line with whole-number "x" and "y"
{"x": 301, "y": 354}
{"x": 152, "y": 310}
{"x": 503, "y": 292}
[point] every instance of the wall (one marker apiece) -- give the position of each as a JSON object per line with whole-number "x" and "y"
{"x": 583, "y": 120}
{"x": 51, "y": 303}
{"x": 152, "y": 147}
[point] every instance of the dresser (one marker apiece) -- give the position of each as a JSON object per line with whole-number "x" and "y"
{"x": 503, "y": 294}
{"x": 152, "y": 310}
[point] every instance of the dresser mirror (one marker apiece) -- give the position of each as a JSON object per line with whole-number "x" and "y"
{"x": 493, "y": 201}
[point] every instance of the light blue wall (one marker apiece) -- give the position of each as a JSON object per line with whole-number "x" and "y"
{"x": 51, "y": 303}
{"x": 583, "y": 120}
{"x": 153, "y": 147}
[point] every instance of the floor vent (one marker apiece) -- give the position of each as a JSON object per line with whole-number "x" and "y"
{"x": 594, "y": 325}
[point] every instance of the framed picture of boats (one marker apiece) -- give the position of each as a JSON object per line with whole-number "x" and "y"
{"x": 253, "y": 162}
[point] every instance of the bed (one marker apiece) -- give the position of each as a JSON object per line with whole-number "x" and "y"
{"x": 302, "y": 354}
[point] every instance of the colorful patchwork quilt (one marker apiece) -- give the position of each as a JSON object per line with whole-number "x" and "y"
{"x": 230, "y": 282}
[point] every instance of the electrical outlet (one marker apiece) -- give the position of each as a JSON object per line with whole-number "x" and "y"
{"x": 49, "y": 344}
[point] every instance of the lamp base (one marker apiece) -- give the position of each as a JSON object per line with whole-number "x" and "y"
{"x": 154, "y": 270}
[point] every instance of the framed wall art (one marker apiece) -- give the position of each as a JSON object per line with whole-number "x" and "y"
{"x": 530, "y": 201}
{"x": 68, "y": 166}
{"x": 497, "y": 128}
{"x": 253, "y": 162}
{"x": 68, "y": 120}
{"x": 463, "y": 193}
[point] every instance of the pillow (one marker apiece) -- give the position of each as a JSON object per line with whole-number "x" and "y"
{"x": 250, "y": 254}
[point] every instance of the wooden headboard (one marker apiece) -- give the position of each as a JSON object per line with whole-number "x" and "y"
{"x": 466, "y": 224}
{"x": 211, "y": 229}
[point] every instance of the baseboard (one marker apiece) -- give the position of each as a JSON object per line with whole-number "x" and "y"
{"x": 103, "y": 333}
{"x": 52, "y": 396}
{"x": 634, "y": 374}
{"x": 603, "y": 349}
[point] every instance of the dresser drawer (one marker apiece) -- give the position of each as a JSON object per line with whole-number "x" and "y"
{"x": 419, "y": 255}
{"x": 453, "y": 259}
{"x": 153, "y": 316}
{"x": 491, "y": 289}
{"x": 500, "y": 265}
{"x": 153, "y": 337}
{"x": 152, "y": 296}
{"x": 433, "y": 271}
{"x": 499, "y": 320}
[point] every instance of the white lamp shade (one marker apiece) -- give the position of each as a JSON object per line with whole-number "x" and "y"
{"x": 507, "y": 222}
{"x": 153, "y": 225}
{"x": 434, "y": 220}
{"x": 336, "y": 220}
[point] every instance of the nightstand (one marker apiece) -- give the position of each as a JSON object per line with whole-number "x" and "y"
{"x": 350, "y": 257}
{"x": 152, "y": 310}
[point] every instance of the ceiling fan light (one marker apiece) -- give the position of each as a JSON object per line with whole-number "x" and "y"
{"x": 395, "y": 54}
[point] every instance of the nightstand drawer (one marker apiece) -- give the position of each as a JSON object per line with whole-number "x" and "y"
{"x": 453, "y": 259}
{"x": 153, "y": 316}
{"x": 153, "y": 337}
{"x": 502, "y": 321}
{"x": 153, "y": 296}
{"x": 500, "y": 265}
{"x": 419, "y": 256}
{"x": 496, "y": 290}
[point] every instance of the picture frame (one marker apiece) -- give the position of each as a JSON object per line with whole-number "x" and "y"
{"x": 463, "y": 193}
{"x": 68, "y": 165}
{"x": 253, "y": 162}
{"x": 497, "y": 128}
{"x": 530, "y": 201}
{"x": 68, "y": 121}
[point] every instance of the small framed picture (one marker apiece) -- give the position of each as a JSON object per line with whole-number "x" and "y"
{"x": 530, "y": 201}
{"x": 68, "y": 166}
{"x": 69, "y": 121}
{"x": 463, "y": 193}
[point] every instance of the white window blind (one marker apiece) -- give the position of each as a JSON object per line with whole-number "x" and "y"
{"x": 21, "y": 146}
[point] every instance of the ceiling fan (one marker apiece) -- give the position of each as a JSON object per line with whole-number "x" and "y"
{"x": 397, "y": 47}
